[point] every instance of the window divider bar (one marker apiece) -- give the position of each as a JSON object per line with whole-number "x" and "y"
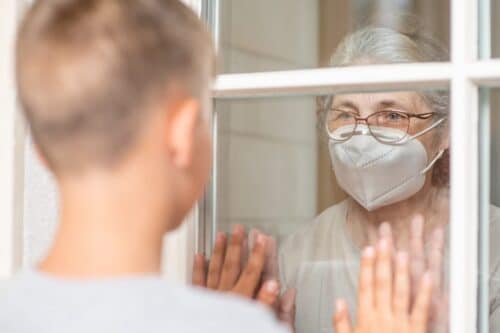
{"x": 341, "y": 79}
{"x": 359, "y": 78}
{"x": 12, "y": 135}
{"x": 464, "y": 211}
{"x": 485, "y": 73}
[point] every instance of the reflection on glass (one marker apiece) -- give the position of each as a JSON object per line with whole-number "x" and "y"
{"x": 263, "y": 35}
{"x": 391, "y": 165}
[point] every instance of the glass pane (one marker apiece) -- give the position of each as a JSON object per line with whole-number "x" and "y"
{"x": 491, "y": 9}
{"x": 263, "y": 35}
{"x": 490, "y": 211}
{"x": 323, "y": 199}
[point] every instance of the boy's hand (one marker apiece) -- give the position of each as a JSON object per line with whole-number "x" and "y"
{"x": 225, "y": 271}
{"x": 384, "y": 296}
{"x": 422, "y": 261}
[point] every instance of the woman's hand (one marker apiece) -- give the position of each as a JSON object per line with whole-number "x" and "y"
{"x": 422, "y": 261}
{"x": 384, "y": 296}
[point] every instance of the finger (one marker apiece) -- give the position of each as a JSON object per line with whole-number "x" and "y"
{"x": 436, "y": 258}
{"x": 440, "y": 324}
{"x": 271, "y": 267}
{"x": 232, "y": 262}
{"x": 215, "y": 266}
{"x": 251, "y": 275}
{"x": 244, "y": 254}
{"x": 383, "y": 277}
{"x": 420, "y": 312}
{"x": 341, "y": 320}
{"x": 251, "y": 239}
{"x": 385, "y": 232}
{"x": 287, "y": 307}
{"x": 401, "y": 299}
{"x": 199, "y": 271}
{"x": 366, "y": 281}
{"x": 417, "y": 261}
{"x": 268, "y": 293}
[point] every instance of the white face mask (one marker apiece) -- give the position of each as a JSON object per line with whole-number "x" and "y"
{"x": 376, "y": 174}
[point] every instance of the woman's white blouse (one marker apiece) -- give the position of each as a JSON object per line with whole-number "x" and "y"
{"x": 322, "y": 263}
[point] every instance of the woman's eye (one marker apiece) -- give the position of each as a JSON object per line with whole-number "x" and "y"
{"x": 393, "y": 116}
{"x": 342, "y": 116}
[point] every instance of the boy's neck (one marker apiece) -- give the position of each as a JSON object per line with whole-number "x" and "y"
{"x": 108, "y": 227}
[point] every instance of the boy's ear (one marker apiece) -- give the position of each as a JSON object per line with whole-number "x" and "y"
{"x": 182, "y": 124}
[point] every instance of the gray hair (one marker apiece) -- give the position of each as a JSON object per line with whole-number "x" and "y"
{"x": 380, "y": 45}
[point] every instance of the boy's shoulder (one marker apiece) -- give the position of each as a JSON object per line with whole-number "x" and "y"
{"x": 30, "y": 302}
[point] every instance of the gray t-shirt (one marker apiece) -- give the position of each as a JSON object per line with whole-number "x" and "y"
{"x": 34, "y": 302}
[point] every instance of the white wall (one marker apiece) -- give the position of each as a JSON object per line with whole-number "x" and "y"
{"x": 267, "y": 150}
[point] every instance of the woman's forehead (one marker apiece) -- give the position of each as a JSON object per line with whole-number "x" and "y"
{"x": 406, "y": 99}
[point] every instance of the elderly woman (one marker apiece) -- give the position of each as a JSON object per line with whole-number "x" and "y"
{"x": 389, "y": 152}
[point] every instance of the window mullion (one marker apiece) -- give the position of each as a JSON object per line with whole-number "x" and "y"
{"x": 11, "y": 147}
{"x": 464, "y": 169}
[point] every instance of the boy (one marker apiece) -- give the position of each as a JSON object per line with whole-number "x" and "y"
{"x": 116, "y": 93}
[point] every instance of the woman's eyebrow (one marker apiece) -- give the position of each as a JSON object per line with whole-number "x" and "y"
{"x": 346, "y": 105}
{"x": 391, "y": 104}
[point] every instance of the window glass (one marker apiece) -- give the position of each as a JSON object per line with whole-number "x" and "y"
{"x": 489, "y": 149}
{"x": 494, "y": 10}
{"x": 297, "y": 169}
{"x": 263, "y": 35}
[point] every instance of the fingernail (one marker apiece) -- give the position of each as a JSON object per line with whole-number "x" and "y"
{"x": 418, "y": 221}
{"x": 238, "y": 228}
{"x": 220, "y": 237}
{"x": 368, "y": 252}
{"x": 261, "y": 239}
{"x": 340, "y": 305}
{"x": 272, "y": 286}
{"x": 402, "y": 258}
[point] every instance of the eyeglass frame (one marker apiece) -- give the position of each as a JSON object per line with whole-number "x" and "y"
{"x": 357, "y": 120}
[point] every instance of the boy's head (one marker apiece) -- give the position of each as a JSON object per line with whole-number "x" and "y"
{"x": 104, "y": 83}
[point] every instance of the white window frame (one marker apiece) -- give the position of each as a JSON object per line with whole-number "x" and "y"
{"x": 12, "y": 135}
{"x": 464, "y": 74}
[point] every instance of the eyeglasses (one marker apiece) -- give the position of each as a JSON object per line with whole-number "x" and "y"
{"x": 341, "y": 125}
